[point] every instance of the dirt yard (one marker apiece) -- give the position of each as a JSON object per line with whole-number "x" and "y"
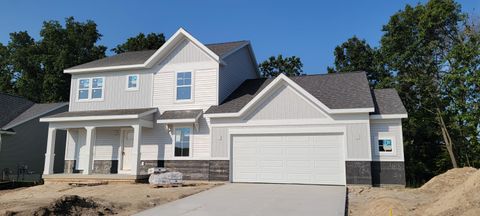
{"x": 63, "y": 199}
{"x": 456, "y": 192}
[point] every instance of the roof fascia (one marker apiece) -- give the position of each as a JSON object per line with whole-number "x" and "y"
{"x": 388, "y": 116}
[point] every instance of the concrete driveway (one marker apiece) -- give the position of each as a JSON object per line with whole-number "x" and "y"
{"x": 258, "y": 199}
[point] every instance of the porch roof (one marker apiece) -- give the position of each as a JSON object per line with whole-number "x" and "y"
{"x": 99, "y": 115}
{"x": 180, "y": 116}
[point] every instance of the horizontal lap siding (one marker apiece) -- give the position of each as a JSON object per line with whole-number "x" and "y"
{"x": 115, "y": 94}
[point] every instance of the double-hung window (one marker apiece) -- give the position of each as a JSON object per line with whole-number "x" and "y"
{"x": 132, "y": 82}
{"x": 182, "y": 141}
{"x": 184, "y": 86}
{"x": 90, "y": 88}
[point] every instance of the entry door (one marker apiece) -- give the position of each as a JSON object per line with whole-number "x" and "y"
{"x": 127, "y": 150}
{"x": 81, "y": 151}
{"x": 293, "y": 158}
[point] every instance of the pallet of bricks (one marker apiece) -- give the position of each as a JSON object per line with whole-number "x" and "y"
{"x": 160, "y": 177}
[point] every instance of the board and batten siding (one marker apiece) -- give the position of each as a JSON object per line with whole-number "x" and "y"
{"x": 186, "y": 57}
{"x": 116, "y": 95}
{"x": 391, "y": 128}
{"x": 283, "y": 104}
{"x": 240, "y": 67}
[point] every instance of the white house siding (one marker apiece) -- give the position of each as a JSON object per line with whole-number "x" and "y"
{"x": 358, "y": 142}
{"x": 186, "y": 57}
{"x": 107, "y": 144}
{"x": 283, "y": 104}
{"x": 158, "y": 143}
{"x": 387, "y": 128}
{"x": 240, "y": 67}
{"x": 115, "y": 94}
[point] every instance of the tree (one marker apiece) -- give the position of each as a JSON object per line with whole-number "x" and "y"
{"x": 357, "y": 55}
{"x": 141, "y": 42}
{"x": 6, "y": 73}
{"x": 290, "y": 66}
{"x": 63, "y": 47}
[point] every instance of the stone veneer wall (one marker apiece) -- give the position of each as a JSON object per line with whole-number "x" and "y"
{"x": 105, "y": 166}
{"x": 388, "y": 172}
{"x": 69, "y": 167}
{"x": 375, "y": 172}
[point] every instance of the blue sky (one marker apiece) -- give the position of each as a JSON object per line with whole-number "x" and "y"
{"x": 308, "y": 29}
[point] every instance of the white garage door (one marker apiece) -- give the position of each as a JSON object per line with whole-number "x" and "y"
{"x": 301, "y": 159}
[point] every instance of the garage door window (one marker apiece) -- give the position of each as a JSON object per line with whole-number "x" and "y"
{"x": 182, "y": 142}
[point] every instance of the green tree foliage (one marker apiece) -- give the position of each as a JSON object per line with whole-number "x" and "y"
{"x": 6, "y": 73}
{"x": 37, "y": 66}
{"x": 290, "y": 66}
{"x": 431, "y": 55}
{"x": 141, "y": 42}
{"x": 357, "y": 55}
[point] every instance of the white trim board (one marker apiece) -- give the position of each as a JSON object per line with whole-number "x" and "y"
{"x": 90, "y": 118}
{"x": 388, "y": 116}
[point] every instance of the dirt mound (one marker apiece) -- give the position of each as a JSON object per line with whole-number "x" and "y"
{"x": 461, "y": 199}
{"x": 70, "y": 205}
{"x": 455, "y": 192}
{"x": 445, "y": 181}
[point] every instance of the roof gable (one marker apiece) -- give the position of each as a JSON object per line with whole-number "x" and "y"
{"x": 148, "y": 58}
{"x": 338, "y": 93}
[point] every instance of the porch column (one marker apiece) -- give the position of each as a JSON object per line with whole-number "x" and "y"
{"x": 89, "y": 143}
{"x": 137, "y": 140}
{"x": 50, "y": 154}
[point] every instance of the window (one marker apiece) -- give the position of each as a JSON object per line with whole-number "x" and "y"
{"x": 182, "y": 142}
{"x": 132, "y": 82}
{"x": 385, "y": 145}
{"x": 90, "y": 88}
{"x": 184, "y": 85}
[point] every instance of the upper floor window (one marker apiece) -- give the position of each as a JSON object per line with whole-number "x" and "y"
{"x": 132, "y": 82}
{"x": 184, "y": 86}
{"x": 90, "y": 88}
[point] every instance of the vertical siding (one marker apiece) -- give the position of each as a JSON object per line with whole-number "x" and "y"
{"x": 358, "y": 142}
{"x": 115, "y": 94}
{"x": 389, "y": 128}
{"x": 239, "y": 68}
{"x": 219, "y": 142}
{"x": 284, "y": 103}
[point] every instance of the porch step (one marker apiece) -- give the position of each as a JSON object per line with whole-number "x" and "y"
{"x": 94, "y": 179}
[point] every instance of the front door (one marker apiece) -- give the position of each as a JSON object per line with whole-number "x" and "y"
{"x": 127, "y": 150}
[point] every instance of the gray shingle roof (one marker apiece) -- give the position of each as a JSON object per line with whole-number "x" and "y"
{"x": 34, "y": 111}
{"x": 102, "y": 113}
{"x": 336, "y": 91}
{"x": 139, "y": 57}
{"x": 387, "y": 101}
{"x": 181, "y": 114}
{"x": 12, "y": 106}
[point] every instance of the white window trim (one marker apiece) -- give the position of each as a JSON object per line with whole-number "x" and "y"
{"x": 190, "y": 149}
{"x": 90, "y": 89}
{"x": 191, "y": 87}
{"x": 383, "y": 137}
{"x": 138, "y": 82}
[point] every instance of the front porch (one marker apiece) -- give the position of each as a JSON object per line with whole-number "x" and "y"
{"x": 101, "y": 145}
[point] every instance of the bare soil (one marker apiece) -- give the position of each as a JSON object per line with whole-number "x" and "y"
{"x": 456, "y": 192}
{"x": 64, "y": 199}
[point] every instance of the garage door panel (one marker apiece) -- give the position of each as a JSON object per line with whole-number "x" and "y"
{"x": 303, "y": 159}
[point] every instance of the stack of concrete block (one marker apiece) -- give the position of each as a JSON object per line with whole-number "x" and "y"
{"x": 163, "y": 177}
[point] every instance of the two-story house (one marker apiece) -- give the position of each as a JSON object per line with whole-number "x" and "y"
{"x": 204, "y": 110}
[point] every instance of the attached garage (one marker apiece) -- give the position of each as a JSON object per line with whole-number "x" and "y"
{"x": 316, "y": 158}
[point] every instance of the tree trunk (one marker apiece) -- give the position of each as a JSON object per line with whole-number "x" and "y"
{"x": 447, "y": 139}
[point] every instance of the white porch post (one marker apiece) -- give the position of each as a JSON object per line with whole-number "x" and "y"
{"x": 50, "y": 154}
{"x": 137, "y": 140}
{"x": 90, "y": 142}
